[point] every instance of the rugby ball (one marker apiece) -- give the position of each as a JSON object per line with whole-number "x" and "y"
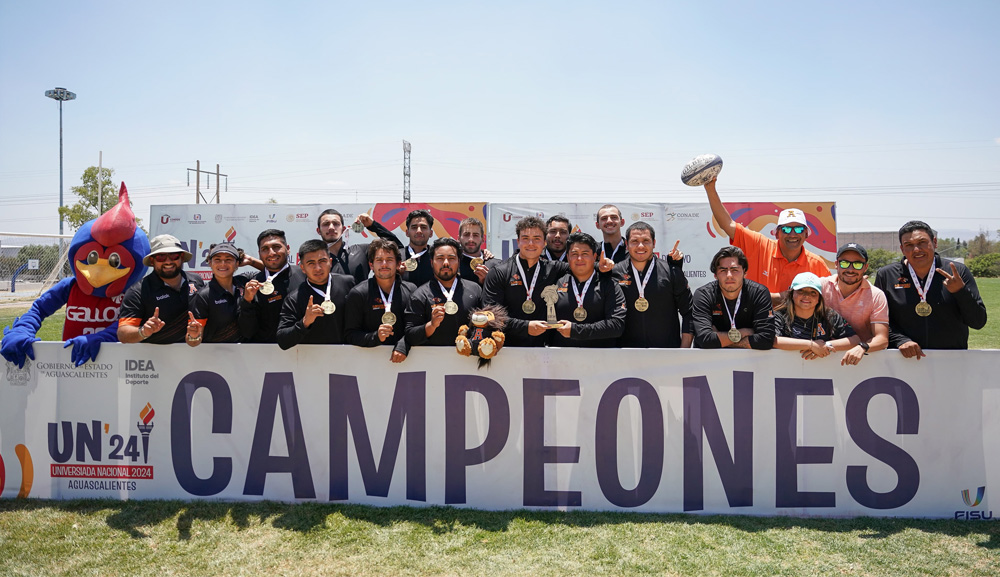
{"x": 701, "y": 169}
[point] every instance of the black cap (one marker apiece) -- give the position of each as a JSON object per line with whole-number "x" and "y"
{"x": 855, "y": 247}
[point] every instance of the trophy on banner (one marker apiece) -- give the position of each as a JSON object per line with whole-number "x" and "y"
{"x": 145, "y": 428}
{"x": 550, "y": 296}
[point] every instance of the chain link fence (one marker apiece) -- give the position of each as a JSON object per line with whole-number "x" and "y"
{"x": 31, "y": 263}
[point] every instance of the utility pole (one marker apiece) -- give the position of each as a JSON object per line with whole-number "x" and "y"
{"x": 406, "y": 171}
{"x": 198, "y": 198}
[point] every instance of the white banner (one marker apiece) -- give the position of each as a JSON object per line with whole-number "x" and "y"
{"x": 731, "y": 432}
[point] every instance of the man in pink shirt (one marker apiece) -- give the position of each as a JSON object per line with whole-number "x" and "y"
{"x": 863, "y": 306}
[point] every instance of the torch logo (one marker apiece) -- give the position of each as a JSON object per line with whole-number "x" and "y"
{"x": 145, "y": 425}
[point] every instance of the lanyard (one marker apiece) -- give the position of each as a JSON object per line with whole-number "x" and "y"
{"x": 530, "y": 289}
{"x": 641, "y": 284}
{"x": 387, "y": 300}
{"x": 415, "y": 255}
{"x": 621, "y": 243}
{"x": 268, "y": 277}
{"x": 325, "y": 295}
{"x": 562, "y": 257}
{"x": 448, "y": 295}
{"x": 732, "y": 315}
{"x": 921, "y": 291}
{"x": 579, "y": 295}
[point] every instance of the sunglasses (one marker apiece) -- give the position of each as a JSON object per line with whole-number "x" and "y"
{"x": 788, "y": 229}
{"x": 857, "y": 264}
{"x": 167, "y": 256}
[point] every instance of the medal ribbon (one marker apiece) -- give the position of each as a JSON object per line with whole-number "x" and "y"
{"x": 642, "y": 285}
{"x": 268, "y": 277}
{"x": 579, "y": 296}
{"x": 732, "y": 316}
{"x": 415, "y": 255}
{"x": 387, "y": 300}
{"x": 326, "y": 295}
{"x": 621, "y": 243}
{"x": 530, "y": 289}
{"x": 921, "y": 291}
{"x": 448, "y": 295}
{"x": 562, "y": 257}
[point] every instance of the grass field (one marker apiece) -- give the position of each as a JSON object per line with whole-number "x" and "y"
{"x": 175, "y": 538}
{"x": 204, "y": 538}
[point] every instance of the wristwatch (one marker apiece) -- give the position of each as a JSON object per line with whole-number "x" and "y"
{"x": 865, "y": 346}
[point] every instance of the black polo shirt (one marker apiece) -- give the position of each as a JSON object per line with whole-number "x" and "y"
{"x": 669, "y": 296}
{"x": 143, "y": 298}
{"x": 258, "y": 319}
{"x": 605, "y": 306}
{"x": 467, "y": 296}
{"x": 424, "y": 270}
{"x": 708, "y": 315}
{"x": 353, "y": 260}
{"x": 505, "y": 287}
{"x": 365, "y": 308}
{"x": 326, "y": 329}
{"x": 219, "y": 309}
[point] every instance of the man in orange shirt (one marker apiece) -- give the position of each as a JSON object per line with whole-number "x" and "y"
{"x": 773, "y": 263}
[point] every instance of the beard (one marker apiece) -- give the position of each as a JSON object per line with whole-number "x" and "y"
{"x": 169, "y": 275}
{"x": 445, "y": 274}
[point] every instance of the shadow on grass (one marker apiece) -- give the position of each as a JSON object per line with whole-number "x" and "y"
{"x": 131, "y": 517}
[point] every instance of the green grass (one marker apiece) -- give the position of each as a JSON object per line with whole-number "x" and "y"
{"x": 51, "y": 327}
{"x": 170, "y": 537}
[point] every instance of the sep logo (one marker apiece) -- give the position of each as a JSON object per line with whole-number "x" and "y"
{"x": 974, "y": 502}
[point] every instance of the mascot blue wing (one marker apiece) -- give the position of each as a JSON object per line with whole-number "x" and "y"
{"x": 18, "y": 339}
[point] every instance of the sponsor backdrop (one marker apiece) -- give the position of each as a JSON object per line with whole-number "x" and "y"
{"x": 731, "y": 432}
{"x": 691, "y": 223}
{"x": 199, "y": 225}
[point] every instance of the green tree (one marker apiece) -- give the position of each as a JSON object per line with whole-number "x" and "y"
{"x": 878, "y": 258}
{"x": 86, "y": 208}
{"x": 983, "y": 243}
{"x": 985, "y": 265}
{"x": 951, "y": 248}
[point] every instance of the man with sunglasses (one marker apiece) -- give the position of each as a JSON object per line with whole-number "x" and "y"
{"x": 156, "y": 309}
{"x": 863, "y": 306}
{"x": 773, "y": 263}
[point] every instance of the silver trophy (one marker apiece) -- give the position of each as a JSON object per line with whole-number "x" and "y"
{"x": 550, "y": 296}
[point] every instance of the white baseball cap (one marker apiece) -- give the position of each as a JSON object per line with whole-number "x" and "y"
{"x": 790, "y": 215}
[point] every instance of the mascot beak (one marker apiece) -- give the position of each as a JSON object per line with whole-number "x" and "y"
{"x": 101, "y": 273}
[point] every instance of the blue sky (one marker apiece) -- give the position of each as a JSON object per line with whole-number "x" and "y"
{"x": 889, "y": 109}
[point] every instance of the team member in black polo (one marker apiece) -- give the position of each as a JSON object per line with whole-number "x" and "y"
{"x": 557, "y": 231}
{"x": 216, "y": 305}
{"x": 416, "y": 257}
{"x": 932, "y": 301}
{"x": 516, "y": 284}
{"x": 609, "y": 222}
{"x": 438, "y": 308}
{"x": 657, "y": 295}
{"x": 470, "y": 236}
{"x": 265, "y": 291}
{"x": 314, "y": 312}
{"x": 156, "y": 309}
{"x": 732, "y": 311}
{"x": 591, "y": 306}
{"x": 350, "y": 260}
{"x": 376, "y": 308}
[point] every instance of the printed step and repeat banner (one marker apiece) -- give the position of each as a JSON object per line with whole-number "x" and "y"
{"x": 730, "y": 432}
{"x": 198, "y": 226}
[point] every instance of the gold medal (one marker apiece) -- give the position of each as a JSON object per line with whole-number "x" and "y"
{"x": 476, "y": 262}
{"x": 328, "y": 307}
{"x": 528, "y": 307}
{"x": 924, "y": 309}
{"x": 641, "y": 304}
{"x": 450, "y": 307}
{"x": 735, "y": 335}
{"x": 411, "y": 264}
{"x": 580, "y": 314}
{"x": 266, "y": 288}
{"x": 357, "y": 226}
{"x": 388, "y": 318}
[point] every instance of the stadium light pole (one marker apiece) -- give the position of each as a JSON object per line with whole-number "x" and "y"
{"x": 62, "y": 95}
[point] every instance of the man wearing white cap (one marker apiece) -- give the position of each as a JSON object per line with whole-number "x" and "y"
{"x": 773, "y": 263}
{"x": 156, "y": 309}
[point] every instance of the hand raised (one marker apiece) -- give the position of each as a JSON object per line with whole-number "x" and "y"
{"x": 953, "y": 282}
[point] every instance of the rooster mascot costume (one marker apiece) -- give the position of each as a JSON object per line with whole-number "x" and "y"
{"x": 106, "y": 256}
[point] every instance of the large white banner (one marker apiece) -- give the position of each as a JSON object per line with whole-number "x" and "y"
{"x": 690, "y": 223}
{"x": 731, "y": 432}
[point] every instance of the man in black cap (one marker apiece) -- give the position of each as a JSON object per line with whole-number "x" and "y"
{"x": 156, "y": 309}
{"x": 265, "y": 291}
{"x": 862, "y": 305}
{"x": 215, "y": 307}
